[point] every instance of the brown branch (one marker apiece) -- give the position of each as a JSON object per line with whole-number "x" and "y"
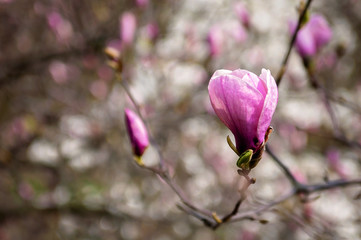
{"x": 343, "y": 102}
{"x": 293, "y": 39}
{"x": 308, "y": 189}
{"x": 207, "y": 217}
{"x": 301, "y": 188}
{"x": 254, "y": 213}
{"x": 243, "y": 196}
{"x": 317, "y": 85}
{"x": 285, "y": 169}
{"x": 13, "y": 70}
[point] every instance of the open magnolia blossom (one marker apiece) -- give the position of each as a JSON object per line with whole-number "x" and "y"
{"x": 137, "y": 132}
{"x": 245, "y": 103}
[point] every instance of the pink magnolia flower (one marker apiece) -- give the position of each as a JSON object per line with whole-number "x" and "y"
{"x": 245, "y": 103}
{"x": 137, "y": 132}
{"x": 128, "y": 24}
{"x": 313, "y": 36}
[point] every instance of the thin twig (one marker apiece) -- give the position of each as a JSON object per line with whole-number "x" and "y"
{"x": 162, "y": 172}
{"x": 327, "y": 186}
{"x": 154, "y": 143}
{"x": 285, "y": 169}
{"x": 301, "y": 188}
{"x": 253, "y": 213}
{"x": 293, "y": 39}
{"x": 243, "y": 196}
{"x": 316, "y": 84}
{"x": 343, "y": 102}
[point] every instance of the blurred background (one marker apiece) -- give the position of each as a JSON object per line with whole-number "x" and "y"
{"x": 66, "y": 167}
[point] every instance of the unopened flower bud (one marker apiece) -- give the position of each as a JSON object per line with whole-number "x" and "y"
{"x": 137, "y": 132}
{"x": 312, "y": 36}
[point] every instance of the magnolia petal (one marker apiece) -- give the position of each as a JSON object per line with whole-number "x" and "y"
{"x": 221, "y": 72}
{"x": 252, "y": 79}
{"x": 269, "y": 106}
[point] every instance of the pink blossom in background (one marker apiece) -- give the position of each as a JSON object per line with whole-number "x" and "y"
{"x": 247, "y": 235}
{"x": 299, "y": 176}
{"x": 62, "y": 27}
{"x": 327, "y": 61}
{"x": 105, "y": 73}
{"x": 245, "y": 103}
{"x": 26, "y": 191}
{"x": 152, "y": 30}
{"x": 305, "y": 43}
{"x": 59, "y": 72}
{"x": 255, "y": 55}
{"x": 99, "y": 89}
{"x": 128, "y": 24}
{"x": 242, "y": 14}
{"x": 142, "y": 3}
{"x": 54, "y": 19}
{"x": 296, "y": 139}
{"x": 239, "y": 33}
{"x": 313, "y": 36}
{"x": 321, "y": 31}
{"x": 90, "y": 61}
{"x": 334, "y": 162}
{"x": 137, "y": 132}
{"x": 18, "y": 129}
{"x": 215, "y": 40}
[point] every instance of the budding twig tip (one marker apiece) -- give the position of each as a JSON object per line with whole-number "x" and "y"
{"x": 215, "y": 217}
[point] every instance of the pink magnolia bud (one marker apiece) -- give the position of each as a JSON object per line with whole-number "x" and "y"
{"x": 313, "y": 36}
{"x": 128, "y": 24}
{"x": 215, "y": 40}
{"x": 245, "y": 103}
{"x": 137, "y": 132}
{"x": 242, "y": 14}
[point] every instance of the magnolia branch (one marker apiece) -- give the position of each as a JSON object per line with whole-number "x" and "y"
{"x": 326, "y": 96}
{"x": 293, "y": 39}
{"x": 211, "y": 219}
